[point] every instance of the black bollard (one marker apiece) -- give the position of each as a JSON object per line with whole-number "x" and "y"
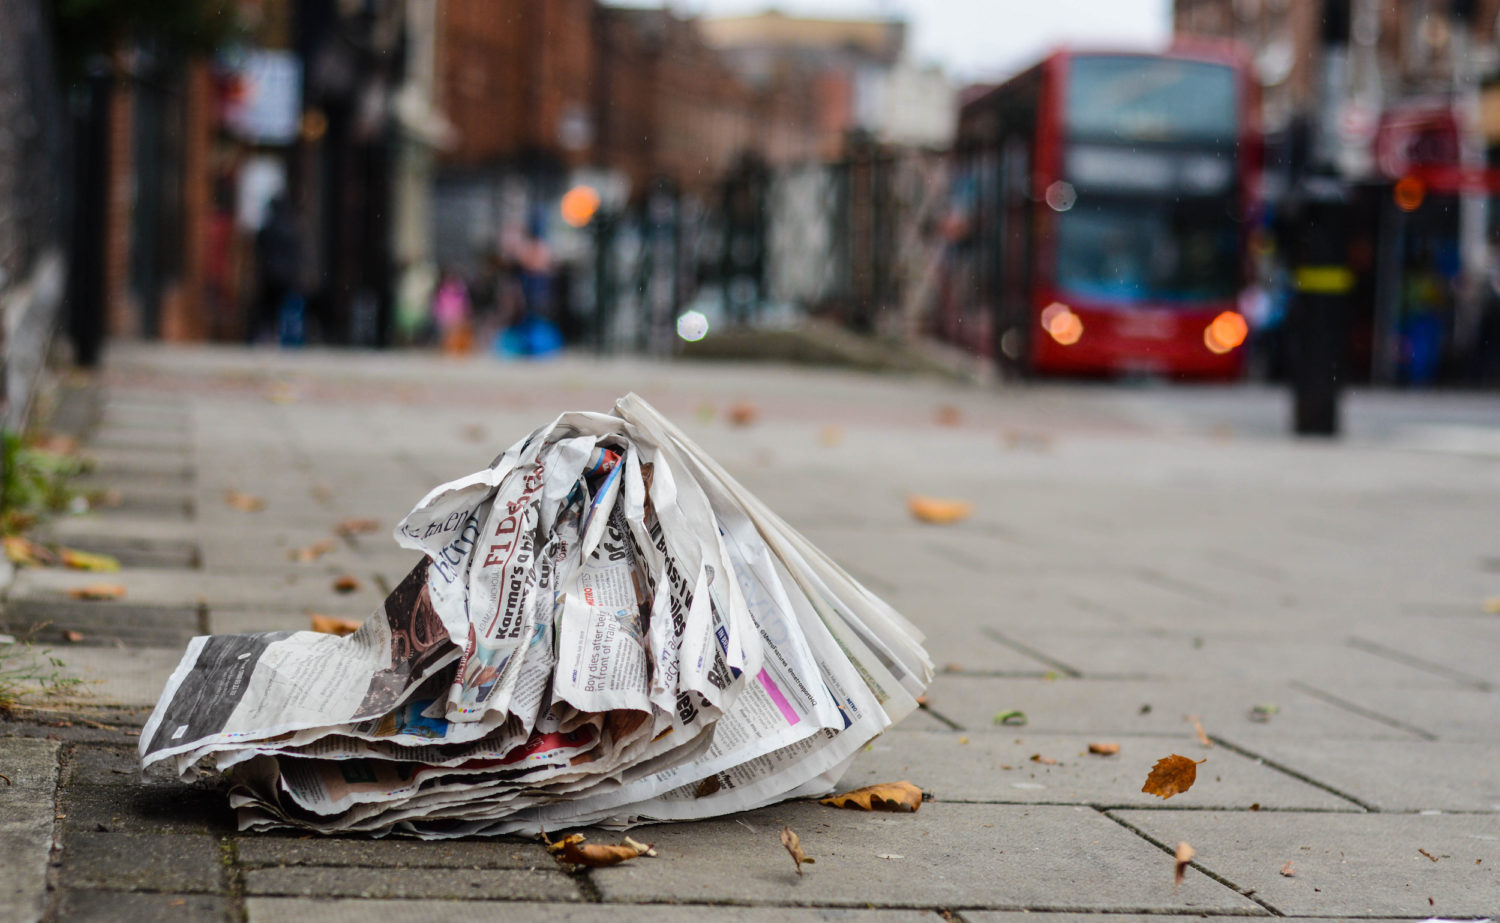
{"x": 1319, "y": 319}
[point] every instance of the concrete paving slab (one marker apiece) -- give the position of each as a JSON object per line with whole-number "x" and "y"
{"x": 1132, "y": 654}
{"x": 88, "y": 906}
{"x": 998, "y": 768}
{"x": 134, "y": 552}
{"x": 1394, "y": 776}
{"x": 1346, "y": 865}
{"x": 111, "y": 676}
{"x": 46, "y": 616}
{"x": 1448, "y": 714}
{"x": 120, "y": 806}
{"x": 270, "y": 850}
{"x": 180, "y": 863}
{"x": 293, "y": 591}
{"x": 1160, "y": 707}
{"x": 297, "y": 910}
{"x": 546, "y": 884}
{"x": 25, "y": 825}
{"x": 995, "y": 856}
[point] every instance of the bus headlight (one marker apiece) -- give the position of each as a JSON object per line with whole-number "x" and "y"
{"x": 1225, "y": 332}
{"x": 1062, "y": 324}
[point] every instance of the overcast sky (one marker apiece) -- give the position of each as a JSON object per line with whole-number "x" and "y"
{"x": 975, "y": 39}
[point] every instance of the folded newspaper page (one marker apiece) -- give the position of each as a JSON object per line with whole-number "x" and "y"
{"x": 603, "y": 627}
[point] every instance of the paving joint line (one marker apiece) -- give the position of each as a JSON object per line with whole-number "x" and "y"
{"x": 1248, "y": 894}
{"x": 1031, "y": 652}
{"x": 1380, "y": 650}
{"x": 1360, "y": 710}
{"x": 954, "y": 725}
{"x": 1300, "y": 777}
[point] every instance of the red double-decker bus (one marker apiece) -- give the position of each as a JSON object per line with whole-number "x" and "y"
{"x": 1101, "y": 215}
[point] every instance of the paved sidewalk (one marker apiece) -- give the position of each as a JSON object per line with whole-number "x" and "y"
{"x": 1137, "y": 556}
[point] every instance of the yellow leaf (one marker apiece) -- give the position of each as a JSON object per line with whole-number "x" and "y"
{"x": 1171, "y": 775}
{"x": 793, "y": 844}
{"x": 1185, "y": 854}
{"x": 25, "y": 552}
{"x": 887, "y": 796}
{"x": 332, "y": 625}
{"x": 98, "y": 591}
{"x": 1492, "y": 605}
{"x": 245, "y": 503}
{"x": 937, "y": 510}
{"x": 831, "y": 436}
{"x": 83, "y": 560}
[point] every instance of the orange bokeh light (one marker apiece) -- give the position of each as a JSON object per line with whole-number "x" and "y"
{"x": 1226, "y": 332}
{"x": 579, "y": 205}
{"x": 1062, "y": 324}
{"x": 1409, "y": 193}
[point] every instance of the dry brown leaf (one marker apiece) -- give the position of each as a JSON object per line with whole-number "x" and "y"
{"x": 98, "y": 591}
{"x": 1185, "y": 854}
{"x": 743, "y": 413}
{"x": 84, "y": 560}
{"x": 345, "y": 584}
{"x": 887, "y": 796}
{"x": 1171, "y": 775}
{"x": 332, "y": 625}
{"x": 831, "y": 436}
{"x": 574, "y": 851}
{"x": 708, "y": 786}
{"x": 1288, "y": 871}
{"x": 1104, "y": 749}
{"x": 25, "y": 552}
{"x": 948, "y": 415}
{"x": 1428, "y": 854}
{"x": 1198, "y": 729}
{"x": 1044, "y": 760}
{"x": 245, "y": 503}
{"x": 793, "y": 844}
{"x": 357, "y": 526}
{"x": 310, "y": 553}
{"x": 73, "y": 635}
{"x": 937, "y": 510}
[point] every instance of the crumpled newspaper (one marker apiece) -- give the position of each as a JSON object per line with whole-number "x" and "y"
{"x": 603, "y": 627}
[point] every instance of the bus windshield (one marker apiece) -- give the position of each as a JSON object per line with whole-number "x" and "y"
{"x": 1133, "y": 98}
{"x": 1127, "y": 251}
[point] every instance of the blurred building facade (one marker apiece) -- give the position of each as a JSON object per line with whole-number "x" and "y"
{"x": 1400, "y": 101}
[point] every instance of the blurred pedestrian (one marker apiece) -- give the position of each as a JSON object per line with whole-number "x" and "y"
{"x": 278, "y": 260}
{"x": 452, "y": 311}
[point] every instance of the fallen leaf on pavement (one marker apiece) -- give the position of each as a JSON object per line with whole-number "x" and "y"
{"x": 1428, "y": 854}
{"x": 1262, "y": 713}
{"x": 309, "y": 553}
{"x": 743, "y": 413}
{"x": 1171, "y": 775}
{"x": 1492, "y": 605}
{"x": 1104, "y": 749}
{"x": 831, "y": 436}
{"x": 245, "y": 503}
{"x": 332, "y": 625}
{"x": 887, "y": 796}
{"x": 25, "y": 552}
{"x": 574, "y": 851}
{"x": 1011, "y": 718}
{"x": 345, "y": 584}
{"x": 84, "y": 560}
{"x": 937, "y": 510}
{"x": 948, "y": 415}
{"x": 97, "y": 591}
{"x": 1288, "y": 871}
{"x": 357, "y": 526}
{"x": 793, "y": 844}
{"x": 1198, "y": 729}
{"x": 1044, "y": 760}
{"x": 1185, "y": 854}
{"x": 73, "y": 635}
